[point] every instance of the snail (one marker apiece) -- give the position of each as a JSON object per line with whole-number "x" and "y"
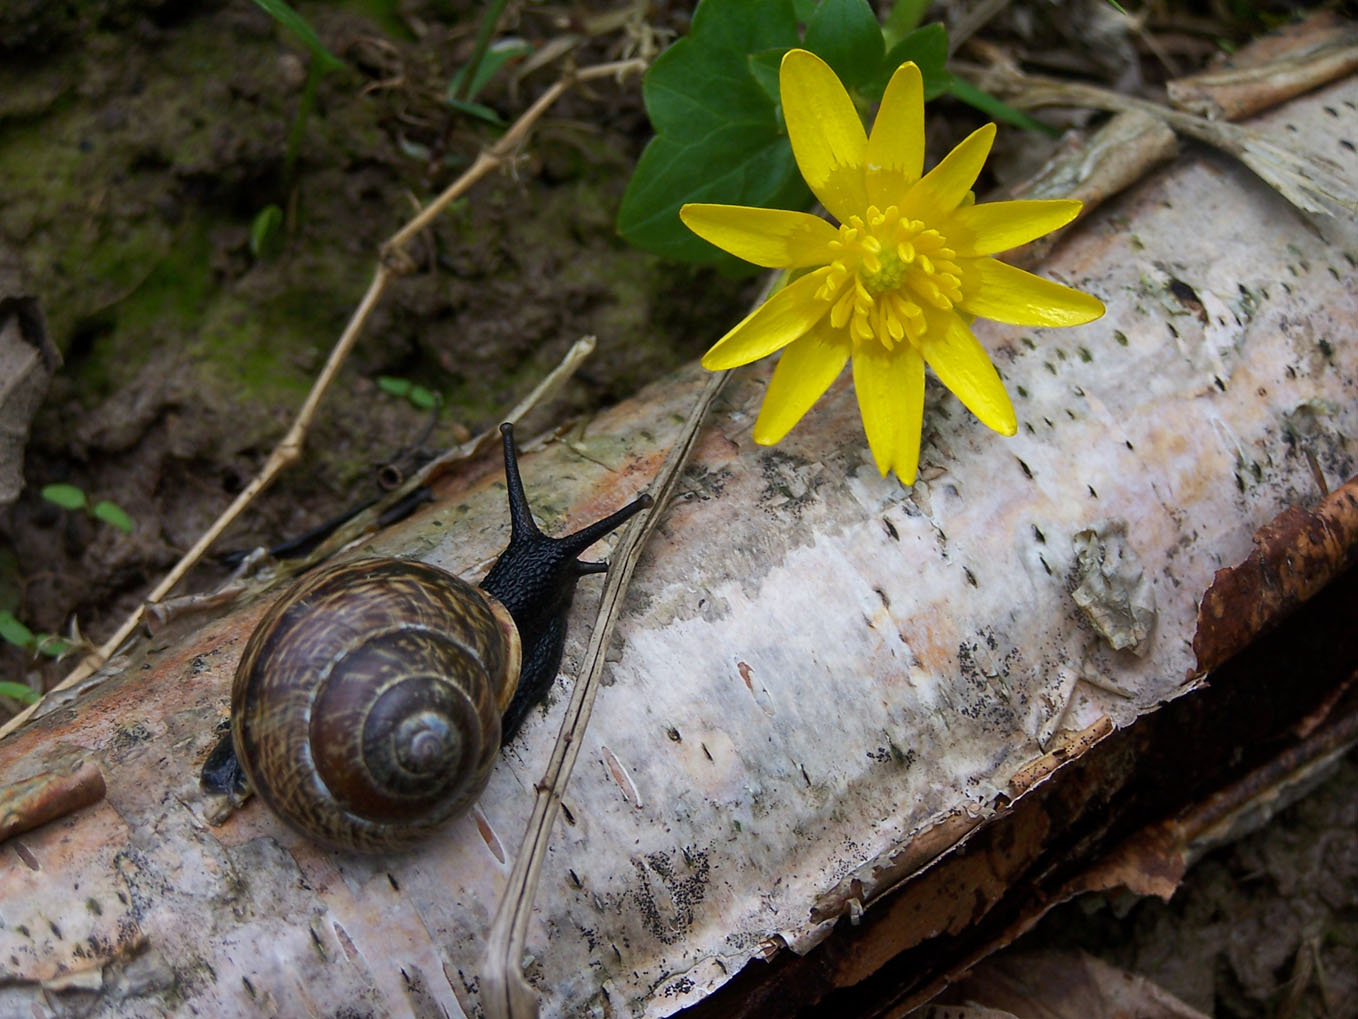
{"x": 372, "y": 699}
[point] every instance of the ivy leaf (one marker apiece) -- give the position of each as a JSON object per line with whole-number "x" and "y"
{"x": 928, "y": 48}
{"x": 846, "y": 35}
{"x": 718, "y": 136}
{"x": 66, "y": 496}
{"x": 112, "y": 513}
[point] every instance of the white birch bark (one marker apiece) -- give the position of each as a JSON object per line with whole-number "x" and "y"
{"x": 816, "y": 666}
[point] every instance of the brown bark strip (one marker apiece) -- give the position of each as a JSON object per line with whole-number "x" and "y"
{"x": 44, "y": 797}
{"x": 1295, "y": 555}
{"x": 1272, "y": 70}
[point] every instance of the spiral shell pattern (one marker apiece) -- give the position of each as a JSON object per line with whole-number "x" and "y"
{"x": 366, "y": 707}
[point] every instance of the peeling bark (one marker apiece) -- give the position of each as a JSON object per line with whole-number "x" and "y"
{"x": 825, "y": 685}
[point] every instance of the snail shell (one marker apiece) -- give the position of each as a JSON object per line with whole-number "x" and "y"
{"x": 366, "y": 708}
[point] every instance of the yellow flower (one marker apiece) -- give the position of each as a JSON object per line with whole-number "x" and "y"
{"x": 898, "y": 282}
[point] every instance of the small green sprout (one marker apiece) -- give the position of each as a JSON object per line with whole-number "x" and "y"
{"x": 72, "y": 498}
{"x": 419, "y": 396}
{"x": 268, "y": 223}
{"x": 14, "y": 632}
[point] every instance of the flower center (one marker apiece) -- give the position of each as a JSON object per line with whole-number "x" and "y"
{"x": 887, "y": 270}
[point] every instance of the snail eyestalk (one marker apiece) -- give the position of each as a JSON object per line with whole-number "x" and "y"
{"x": 535, "y": 578}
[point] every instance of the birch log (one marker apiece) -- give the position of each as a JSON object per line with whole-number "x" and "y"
{"x": 817, "y": 668}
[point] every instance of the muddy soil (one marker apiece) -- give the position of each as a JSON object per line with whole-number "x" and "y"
{"x": 139, "y": 141}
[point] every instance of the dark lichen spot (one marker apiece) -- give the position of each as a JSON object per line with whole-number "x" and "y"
{"x": 1037, "y": 533}
{"x": 706, "y": 753}
{"x": 1092, "y": 494}
{"x": 1027, "y": 472}
{"x": 1085, "y": 355}
{"x": 1326, "y": 350}
{"x": 1120, "y": 337}
{"x": 891, "y": 529}
{"x": 1219, "y": 384}
{"x": 673, "y": 734}
{"x": 1022, "y": 392}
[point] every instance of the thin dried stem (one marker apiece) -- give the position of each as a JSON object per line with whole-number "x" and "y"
{"x": 1309, "y": 181}
{"x": 392, "y": 261}
{"x": 505, "y": 994}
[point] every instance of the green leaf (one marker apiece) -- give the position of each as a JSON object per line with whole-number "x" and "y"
{"x": 846, "y": 35}
{"x": 903, "y": 18}
{"x": 478, "y": 110}
{"x": 19, "y": 692}
{"x": 112, "y": 513}
{"x": 425, "y": 399}
{"x": 496, "y": 56}
{"x": 66, "y": 496}
{"x": 805, "y": 10}
{"x": 53, "y": 646}
{"x": 666, "y": 177}
{"x": 301, "y": 28}
{"x": 719, "y": 138}
{"x": 928, "y": 48}
{"x": 264, "y": 229}
{"x": 394, "y": 386}
{"x": 764, "y": 67}
{"x": 13, "y": 631}
{"x": 997, "y": 108}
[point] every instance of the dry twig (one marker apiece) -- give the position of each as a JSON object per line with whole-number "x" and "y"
{"x": 505, "y": 994}
{"x": 393, "y": 261}
{"x": 1309, "y": 181}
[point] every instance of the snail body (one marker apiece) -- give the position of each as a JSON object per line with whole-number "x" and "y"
{"x": 372, "y": 699}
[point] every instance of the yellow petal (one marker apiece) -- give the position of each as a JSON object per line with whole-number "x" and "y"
{"x": 890, "y": 387}
{"x": 827, "y": 137}
{"x": 774, "y": 324}
{"x": 961, "y": 363}
{"x": 805, "y": 370}
{"x": 943, "y": 188}
{"x": 999, "y": 226}
{"x": 895, "y": 154}
{"x": 995, "y": 290}
{"x": 773, "y": 238}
